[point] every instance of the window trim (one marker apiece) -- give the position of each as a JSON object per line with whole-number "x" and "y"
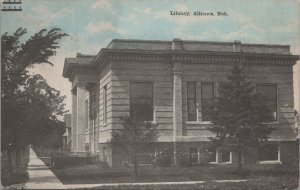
{"x": 196, "y": 100}
{"x": 277, "y": 100}
{"x": 217, "y": 161}
{"x": 104, "y": 105}
{"x": 219, "y": 87}
{"x": 230, "y": 158}
{"x": 199, "y": 102}
{"x": 278, "y": 161}
{"x": 213, "y": 98}
{"x": 153, "y": 98}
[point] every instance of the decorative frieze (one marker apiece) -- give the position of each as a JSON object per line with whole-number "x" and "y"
{"x": 201, "y": 57}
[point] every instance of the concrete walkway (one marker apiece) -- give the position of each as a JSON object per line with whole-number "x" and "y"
{"x": 40, "y": 176}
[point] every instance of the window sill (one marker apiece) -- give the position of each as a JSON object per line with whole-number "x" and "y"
{"x": 271, "y": 122}
{"x": 221, "y": 163}
{"x": 270, "y": 162}
{"x": 198, "y": 122}
{"x": 151, "y": 122}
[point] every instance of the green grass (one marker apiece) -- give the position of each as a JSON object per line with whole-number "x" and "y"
{"x": 18, "y": 176}
{"x": 257, "y": 176}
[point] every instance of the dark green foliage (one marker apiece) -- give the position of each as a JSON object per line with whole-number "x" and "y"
{"x": 163, "y": 158}
{"x": 136, "y": 134}
{"x": 17, "y": 57}
{"x": 239, "y": 115}
{"x": 29, "y": 106}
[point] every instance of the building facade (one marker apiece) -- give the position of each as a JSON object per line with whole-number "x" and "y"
{"x": 177, "y": 80}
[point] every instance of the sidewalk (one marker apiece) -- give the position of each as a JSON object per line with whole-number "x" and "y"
{"x": 40, "y": 176}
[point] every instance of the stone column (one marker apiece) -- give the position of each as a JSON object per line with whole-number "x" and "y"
{"x": 177, "y": 107}
{"x": 73, "y": 122}
{"x": 81, "y": 116}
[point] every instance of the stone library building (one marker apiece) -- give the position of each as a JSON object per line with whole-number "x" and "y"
{"x": 176, "y": 81}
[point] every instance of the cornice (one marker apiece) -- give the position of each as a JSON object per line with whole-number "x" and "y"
{"x": 79, "y": 70}
{"x": 202, "y": 57}
{"x": 182, "y": 56}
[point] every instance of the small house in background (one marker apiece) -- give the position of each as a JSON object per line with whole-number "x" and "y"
{"x": 67, "y": 135}
{"x": 177, "y": 80}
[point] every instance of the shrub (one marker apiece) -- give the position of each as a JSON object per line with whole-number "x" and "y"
{"x": 60, "y": 162}
{"x": 163, "y": 159}
{"x": 184, "y": 159}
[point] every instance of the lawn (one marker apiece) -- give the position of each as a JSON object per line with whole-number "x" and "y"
{"x": 18, "y": 176}
{"x": 257, "y": 176}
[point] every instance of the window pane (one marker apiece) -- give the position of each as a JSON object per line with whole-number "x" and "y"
{"x": 268, "y": 152}
{"x": 192, "y": 110}
{"x": 269, "y": 93}
{"x": 142, "y": 111}
{"x": 141, "y": 101}
{"x": 223, "y": 88}
{"x": 207, "y": 96}
{"x": 207, "y": 90}
{"x": 225, "y": 156}
{"x": 211, "y": 154}
{"x": 191, "y": 101}
{"x": 104, "y": 104}
{"x": 191, "y": 90}
{"x": 141, "y": 90}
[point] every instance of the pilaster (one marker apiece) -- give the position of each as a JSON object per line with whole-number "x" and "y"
{"x": 74, "y": 121}
{"x": 177, "y": 100}
{"x": 81, "y": 116}
{"x": 177, "y": 107}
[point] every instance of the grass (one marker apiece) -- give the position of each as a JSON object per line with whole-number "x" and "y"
{"x": 257, "y": 176}
{"x": 18, "y": 176}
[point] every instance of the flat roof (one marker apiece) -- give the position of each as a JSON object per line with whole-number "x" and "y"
{"x": 191, "y": 45}
{"x": 176, "y": 45}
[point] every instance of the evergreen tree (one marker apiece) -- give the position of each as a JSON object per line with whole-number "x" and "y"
{"x": 136, "y": 134}
{"x": 239, "y": 116}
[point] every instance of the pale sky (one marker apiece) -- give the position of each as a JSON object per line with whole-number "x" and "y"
{"x": 92, "y": 24}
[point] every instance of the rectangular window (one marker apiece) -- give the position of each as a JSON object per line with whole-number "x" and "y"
{"x": 269, "y": 93}
{"x": 211, "y": 154}
{"x": 191, "y": 101}
{"x": 268, "y": 152}
{"x": 141, "y": 101}
{"x": 225, "y": 155}
{"x": 87, "y": 113}
{"x": 105, "y": 104}
{"x": 104, "y": 154}
{"x": 207, "y": 98}
{"x": 223, "y": 89}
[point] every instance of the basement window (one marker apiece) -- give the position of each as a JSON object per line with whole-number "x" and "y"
{"x": 269, "y": 153}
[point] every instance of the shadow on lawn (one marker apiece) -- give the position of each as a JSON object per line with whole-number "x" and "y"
{"x": 258, "y": 175}
{"x": 18, "y": 176}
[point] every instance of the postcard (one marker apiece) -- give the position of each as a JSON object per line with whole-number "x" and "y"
{"x": 140, "y": 94}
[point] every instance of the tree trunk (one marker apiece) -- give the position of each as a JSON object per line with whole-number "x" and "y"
{"x": 175, "y": 156}
{"x": 240, "y": 164}
{"x": 18, "y": 157}
{"x": 9, "y": 156}
{"x": 135, "y": 149}
{"x": 135, "y": 165}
